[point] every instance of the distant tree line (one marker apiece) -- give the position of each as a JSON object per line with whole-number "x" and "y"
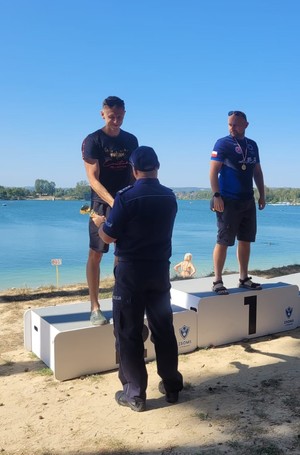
{"x": 44, "y": 188}
{"x": 81, "y": 191}
{"x": 273, "y": 195}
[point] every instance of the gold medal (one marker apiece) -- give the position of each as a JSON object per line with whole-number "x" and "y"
{"x": 244, "y": 154}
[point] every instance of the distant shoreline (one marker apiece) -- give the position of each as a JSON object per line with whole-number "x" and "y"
{"x": 275, "y": 196}
{"x": 81, "y": 289}
{"x": 53, "y": 198}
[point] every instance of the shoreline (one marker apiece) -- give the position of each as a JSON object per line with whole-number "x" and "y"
{"x": 106, "y": 287}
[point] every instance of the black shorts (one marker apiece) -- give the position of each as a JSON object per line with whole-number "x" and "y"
{"x": 237, "y": 221}
{"x": 96, "y": 243}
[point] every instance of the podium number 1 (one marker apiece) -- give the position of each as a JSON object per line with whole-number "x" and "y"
{"x": 252, "y": 302}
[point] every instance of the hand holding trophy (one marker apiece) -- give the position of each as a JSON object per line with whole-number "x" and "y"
{"x": 97, "y": 219}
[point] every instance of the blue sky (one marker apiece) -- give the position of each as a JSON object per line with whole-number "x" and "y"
{"x": 179, "y": 66}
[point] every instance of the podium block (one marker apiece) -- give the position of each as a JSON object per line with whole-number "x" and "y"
{"x": 64, "y": 339}
{"x": 243, "y": 313}
{"x": 186, "y": 328}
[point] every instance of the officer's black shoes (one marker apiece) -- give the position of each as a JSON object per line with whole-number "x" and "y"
{"x": 171, "y": 397}
{"x": 136, "y": 404}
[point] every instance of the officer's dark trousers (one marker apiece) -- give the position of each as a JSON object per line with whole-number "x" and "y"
{"x": 144, "y": 287}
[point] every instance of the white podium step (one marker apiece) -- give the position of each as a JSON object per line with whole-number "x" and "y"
{"x": 241, "y": 314}
{"x": 64, "y": 339}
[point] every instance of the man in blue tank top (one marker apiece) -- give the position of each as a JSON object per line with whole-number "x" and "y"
{"x": 234, "y": 164}
{"x": 106, "y": 154}
{"x": 141, "y": 223}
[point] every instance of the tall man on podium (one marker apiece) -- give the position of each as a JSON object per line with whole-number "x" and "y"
{"x": 106, "y": 154}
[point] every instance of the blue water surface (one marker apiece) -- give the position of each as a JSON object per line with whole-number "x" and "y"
{"x": 34, "y": 232}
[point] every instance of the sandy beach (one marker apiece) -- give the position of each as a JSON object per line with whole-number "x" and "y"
{"x": 242, "y": 398}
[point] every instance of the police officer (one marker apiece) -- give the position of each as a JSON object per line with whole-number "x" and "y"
{"x": 141, "y": 223}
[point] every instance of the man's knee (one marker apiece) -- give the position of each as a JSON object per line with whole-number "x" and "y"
{"x": 95, "y": 256}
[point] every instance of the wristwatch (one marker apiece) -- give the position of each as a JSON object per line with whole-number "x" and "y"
{"x": 216, "y": 194}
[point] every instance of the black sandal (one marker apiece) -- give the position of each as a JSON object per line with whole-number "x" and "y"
{"x": 247, "y": 283}
{"x": 219, "y": 288}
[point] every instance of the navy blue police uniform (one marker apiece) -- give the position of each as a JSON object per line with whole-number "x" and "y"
{"x": 142, "y": 221}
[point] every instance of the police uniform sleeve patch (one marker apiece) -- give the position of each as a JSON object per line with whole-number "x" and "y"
{"x": 123, "y": 190}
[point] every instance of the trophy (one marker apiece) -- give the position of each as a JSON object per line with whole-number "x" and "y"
{"x": 86, "y": 210}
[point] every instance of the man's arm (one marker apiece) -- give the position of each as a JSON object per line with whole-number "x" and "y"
{"x": 259, "y": 182}
{"x": 215, "y": 167}
{"x": 99, "y": 221}
{"x": 93, "y": 171}
{"x": 106, "y": 238}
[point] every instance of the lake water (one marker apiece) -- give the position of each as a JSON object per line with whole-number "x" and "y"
{"x": 32, "y": 233}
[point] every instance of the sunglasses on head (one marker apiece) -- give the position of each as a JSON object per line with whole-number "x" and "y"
{"x": 238, "y": 114}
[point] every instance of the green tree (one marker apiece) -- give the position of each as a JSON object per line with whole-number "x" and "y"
{"x": 82, "y": 190}
{"x": 44, "y": 187}
{"x": 3, "y": 192}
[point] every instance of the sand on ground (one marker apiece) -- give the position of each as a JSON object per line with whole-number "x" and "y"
{"x": 242, "y": 399}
